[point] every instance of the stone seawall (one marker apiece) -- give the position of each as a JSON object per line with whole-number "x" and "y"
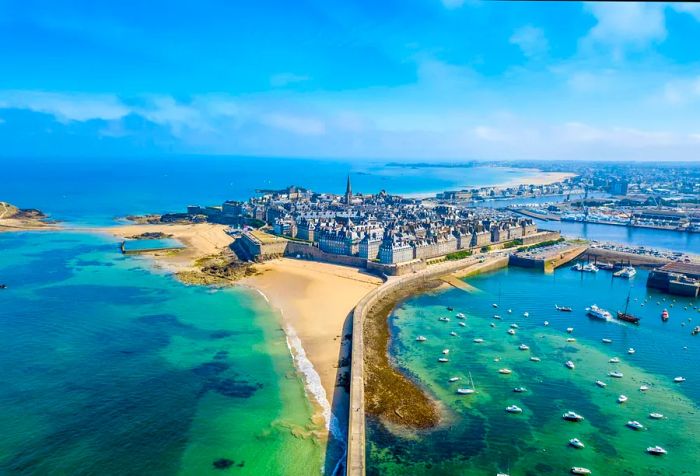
{"x": 308, "y": 251}
{"x": 355, "y": 464}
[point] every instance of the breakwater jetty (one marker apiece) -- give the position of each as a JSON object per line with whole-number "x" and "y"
{"x": 393, "y": 289}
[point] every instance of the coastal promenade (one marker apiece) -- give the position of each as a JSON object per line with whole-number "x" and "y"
{"x": 355, "y": 463}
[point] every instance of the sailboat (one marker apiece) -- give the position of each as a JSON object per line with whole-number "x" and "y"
{"x": 625, "y": 316}
{"x": 467, "y": 390}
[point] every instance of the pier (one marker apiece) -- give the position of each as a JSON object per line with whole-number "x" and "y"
{"x": 355, "y": 462}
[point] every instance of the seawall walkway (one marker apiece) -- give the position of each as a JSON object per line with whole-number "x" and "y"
{"x": 355, "y": 462}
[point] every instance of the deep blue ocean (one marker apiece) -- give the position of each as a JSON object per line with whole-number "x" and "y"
{"x": 95, "y": 191}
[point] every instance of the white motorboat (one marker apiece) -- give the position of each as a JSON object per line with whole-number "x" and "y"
{"x": 570, "y": 364}
{"x": 631, "y": 351}
{"x": 526, "y": 314}
{"x": 442, "y": 360}
{"x": 601, "y": 384}
{"x": 644, "y": 388}
{"x": 454, "y": 379}
{"x": 580, "y": 470}
{"x": 679, "y": 379}
{"x": 460, "y": 315}
{"x": 576, "y": 443}
{"x": 607, "y": 341}
{"x": 622, "y": 399}
{"x": 478, "y": 340}
{"x": 465, "y": 391}
{"x": 514, "y": 326}
{"x": 656, "y": 451}
{"x": 514, "y": 409}
{"x": 445, "y": 351}
{"x": 577, "y": 267}
{"x": 572, "y": 416}
{"x": 462, "y": 324}
{"x": 626, "y": 272}
{"x": 589, "y": 268}
{"x": 523, "y": 347}
{"x": 598, "y": 313}
{"x": 493, "y": 324}
{"x": 656, "y": 416}
{"x": 444, "y": 319}
{"x": 546, "y": 323}
{"x": 453, "y": 334}
{"x": 635, "y": 425}
{"x": 614, "y": 360}
{"x": 494, "y": 305}
{"x": 511, "y": 332}
{"x": 496, "y": 316}
{"x": 510, "y": 311}
{"x": 570, "y": 339}
{"x": 569, "y": 330}
{"x": 421, "y": 339}
{"x": 505, "y": 371}
{"x": 535, "y": 359}
{"x": 615, "y": 374}
{"x": 520, "y": 389}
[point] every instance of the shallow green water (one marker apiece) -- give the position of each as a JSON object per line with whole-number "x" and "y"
{"x": 108, "y": 368}
{"x": 480, "y": 437}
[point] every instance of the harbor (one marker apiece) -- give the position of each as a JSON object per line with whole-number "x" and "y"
{"x": 481, "y": 437}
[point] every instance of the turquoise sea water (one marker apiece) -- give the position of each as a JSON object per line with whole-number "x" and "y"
{"x": 108, "y": 368}
{"x": 480, "y": 438}
{"x": 157, "y": 244}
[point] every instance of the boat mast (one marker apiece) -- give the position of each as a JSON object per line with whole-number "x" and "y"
{"x": 628, "y": 300}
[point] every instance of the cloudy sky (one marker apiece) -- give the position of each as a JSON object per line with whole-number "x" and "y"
{"x": 427, "y": 79}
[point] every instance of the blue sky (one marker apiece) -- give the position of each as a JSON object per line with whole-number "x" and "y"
{"x": 425, "y": 79}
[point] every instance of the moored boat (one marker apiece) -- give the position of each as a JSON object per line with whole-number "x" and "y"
{"x": 442, "y": 360}
{"x": 514, "y": 409}
{"x": 664, "y": 315}
{"x": 572, "y": 416}
{"x": 526, "y": 314}
{"x": 615, "y": 374}
{"x": 679, "y": 379}
{"x": 601, "y": 384}
{"x": 656, "y": 450}
{"x": 562, "y": 308}
{"x": 535, "y": 359}
{"x": 520, "y": 389}
{"x": 614, "y": 360}
{"x": 626, "y": 316}
{"x": 511, "y": 332}
{"x": 505, "y": 371}
{"x": 656, "y": 415}
{"x": 454, "y": 379}
{"x": 444, "y": 319}
{"x": 622, "y": 399}
{"x": 570, "y": 364}
{"x": 580, "y": 470}
{"x": 465, "y": 391}
{"x": 453, "y": 334}
{"x": 523, "y": 347}
{"x": 576, "y": 443}
{"x": 607, "y": 341}
{"x": 626, "y": 272}
{"x": 569, "y": 330}
{"x": 445, "y": 351}
{"x": 421, "y": 339}
{"x": 589, "y": 268}
{"x": 631, "y": 351}
{"x": 462, "y": 324}
{"x": 460, "y": 315}
{"x": 478, "y": 340}
{"x": 635, "y": 425}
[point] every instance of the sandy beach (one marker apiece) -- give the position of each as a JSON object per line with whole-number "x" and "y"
{"x": 316, "y": 300}
{"x": 201, "y": 240}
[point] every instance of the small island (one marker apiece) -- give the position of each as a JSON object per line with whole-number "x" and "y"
{"x": 13, "y": 218}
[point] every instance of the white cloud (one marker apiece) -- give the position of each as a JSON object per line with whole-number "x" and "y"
{"x": 682, "y": 91}
{"x": 66, "y": 107}
{"x": 531, "y": 41}
{"x": 686, "y": 7}
{"x": 625, "y": 25}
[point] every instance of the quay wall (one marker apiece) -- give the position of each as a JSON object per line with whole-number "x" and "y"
{"x": 356, "y": 451}
{"x": 613, "y": 256}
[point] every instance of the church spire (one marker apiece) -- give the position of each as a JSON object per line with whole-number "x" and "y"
{"x": 348, "y": 192}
